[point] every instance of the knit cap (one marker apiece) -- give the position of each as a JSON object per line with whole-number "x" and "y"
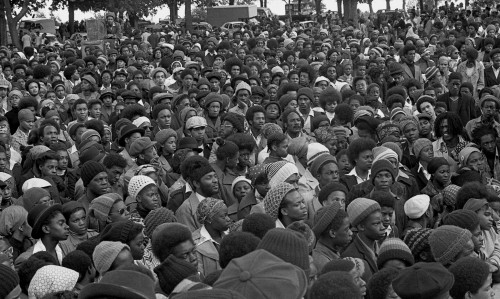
{"x": 163, "y": 135}
{"x": 394, "y": 249}
{"x": 89, "y": 133}
{"x": 379, "y": 51}
{"x": 450, "y": 195}
{"x": 462, "y": 218}
{"x": 90, "y": 170}
{"x": 360, "y": 208}
{"x": 382, "y": 165}
{"x": 274, "y": 197}
{"x": 405, "y": 121}
{"x": 430, "y": 72}
{"x": 280, "y": 171}
{"x": 155, "y": 218}
{"x": 285, "y": 99}
{"x": 105, "y": 254}
{"x": 329, "y": 189}
{"x": 137, "y": 183}
{"x": 465, "y": 153}
{"x": 238, "y": 179}
{"x": 475, "y": 204}
{"x": 269, "y": 129}
{"x": 447, "y": 242}
{"x": 32, "y": 196}
{"x": 314, "y": 150}
{"x": 10, "y": 280}
{"x": 416, "y": 206}
{"x": 172, "y": 271}
{"x": 243, "y": 86}
{"x": 298, "y": 147}
{"x": 320, "y": 161}
{"x": 100, "y": 207}
{"x": 382, "y": 152}
{"x": 25, "y": 115}
{"x": 11, "y": 218}
{"x": 396, "y": 148}
{"x": 306, "y": 91}
{"x": 51, "y": 113}
{"x": 387, "y": 128}
{"x": 422, "y": 281}
{"x": 118, "y": 231}
{"x": 418, "y": 240}
{"x": 288, "y": 245}
{"x": 435, "y": 163}
{"x": 324, "y": 217}
{"x": 419, "y": 145}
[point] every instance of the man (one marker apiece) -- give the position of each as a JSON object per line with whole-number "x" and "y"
{"x": 423, "y": 150}
{"x": 305, "y": 96}
{"x": 144, "y": 152}
{"x": 242, "y": 95}
{"x": 331, "y": 227}
{"x": 365, "y": 215}
{"x": 486, "y": 138}
{"x": 95, "y": 180}
{"x": 196, "y": 127}
{"x": 115, "y": 166}
{"x": 210, "y": 52}
{"x": 5, "y": 87}
{"x": 232, "y": 123}
{"x": 112, "y": 27}
{"x": 49, "y": 227}
{"x": 435, "y": 277}
{"x": 462, "y": 105}
{"x": 203, "y": 179}
{"x": 411, "y": 70}
{"x": 491, "y": 73}
{"x": 48, "y": 132}
{"x": 489, "y": 110}
{"x": 256, "y": 117}
{"x": 80, "y": 111}
{"x": 129, "y": 133}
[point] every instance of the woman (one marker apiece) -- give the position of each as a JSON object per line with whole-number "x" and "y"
{"x": 145, "y": 124}
{"x": 15, "y": 229}
{"x": 212, "y": 214}
{"x": 360, "y": 155}
{"x": 450, "y": 141}
{"x": 472, "y": 71}
{"x": 106, "y": 209}
{"x": 246, "y": 145}
{"x": 227, "y": 159}
{"x": 167, "y": 144}
{"x": 409, "y": 128}
{"x": 472, "y": 159}
{"x": 213, "y": 108}
{"x": 127, "y": 232}
{"x": 440, "y": 172}
{"x": 75, "y": 216}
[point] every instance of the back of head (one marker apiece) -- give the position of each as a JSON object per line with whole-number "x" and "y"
{"x": 258, "y": 224}
{"x": 235, "y": 245}
{"x": 335, "y": 285}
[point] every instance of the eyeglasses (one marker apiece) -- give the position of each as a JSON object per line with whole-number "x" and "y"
{"x": 8, "y": 252}
{"x": 123, "y": 210}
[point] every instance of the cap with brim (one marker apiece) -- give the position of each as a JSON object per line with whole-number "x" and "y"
{"x": 189, "y": 143}
{"x": 121, "y": 284}
{"x": 127, "y": 131}
{"x": 164, "y": 95}
{"x": 37, "y": 216}
{"x": 424, "y": 116}
{"x": 107, "y": 93}
{"x": 35, "y": 183}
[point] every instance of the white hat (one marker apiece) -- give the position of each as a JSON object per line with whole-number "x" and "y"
{"x": 139, "y": 121}
{"x": 277, "y": 69}
{"x": 177, "y": 69}
{"x": 4, "y": 176}
{"x": 293, "y": 34}
{"x": 34, "y": 183}
{"x": 322, "y": 78}
{"x": 416, "y": 206}
{"x": 196, "y": 122}
{"x": 170, "y": 46}
{"x": 287, "y": 42}
{"x": 137, "y": 183}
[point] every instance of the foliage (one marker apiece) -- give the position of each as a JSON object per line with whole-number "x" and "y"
{"x": 143, "y": 8}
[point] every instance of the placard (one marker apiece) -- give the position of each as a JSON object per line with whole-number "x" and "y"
{"x": 96, "y": 29}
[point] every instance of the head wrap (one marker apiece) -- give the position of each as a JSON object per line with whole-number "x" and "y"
{"x": 12, "y": 218}
{"x": 208, "y": 208}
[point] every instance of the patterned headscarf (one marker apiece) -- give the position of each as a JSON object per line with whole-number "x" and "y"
{"x": 324, "y": 134}
{"x": 51, "y": 279}
{"x": 208, "y": 208}
{"x": 450, "y": 195}
{"x": 269, "y": 129}
{"x": 145, "y": 169}
{"x": 388, "y": 128}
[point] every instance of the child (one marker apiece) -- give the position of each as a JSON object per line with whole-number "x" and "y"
{"x": 75, "y": 216}
{"x": 345, "y": 165}
{"x": 386, "y": 202}
{"x": 94, "y": 108}
{"x": 240, "y": 188}
{"x": 394, "y": 253}
{"x": 333, "y": 192}
{"x": 328, "y": 100}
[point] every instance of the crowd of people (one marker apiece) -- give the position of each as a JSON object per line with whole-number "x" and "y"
{"x": 273, "y": 162}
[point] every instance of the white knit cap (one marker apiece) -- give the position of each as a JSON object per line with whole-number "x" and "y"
{"x": 33, "y": 183}
{"x": 243, "y": 86}
{"x": 139, "y": 121}
{"x": 315, "y": 150}
{"x": 137, "y": 183}
{"x": 238, "y": 179}
{"x": 416, "y": 206}
{"x": 280, "y": 171}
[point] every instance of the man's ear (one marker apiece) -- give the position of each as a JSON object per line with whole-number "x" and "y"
{"x": 331, "y": 233}
{"x": 46, "y": 229}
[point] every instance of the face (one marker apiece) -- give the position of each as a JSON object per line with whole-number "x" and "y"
{"x": 425, "y": 126}
{"x": 387, "y": 213}
{"x": 295, "y": 207}
{"x": 442, "y": 175}
{"x": 336, "y": 196}
{"x": 81, "y": 112}
{"x": 186, "y": 251}
{"x": 485, "y": 218}
{"x": 137, "y": 246}
{"x": 281, "y": 149}
{"x": 241, "y": 189}
{"x": 99, "y": 185}
{"x": 114, "y": 174}
{"x": 328, "y": 173}
{"x": 445, "y": 132}
{"x": 198, "y": 133}
{"x": 149, "y": 198}
{"x": 294, "y": 124}
{"x": 118, "y": 212}
{"x": 57, "y": 228}
{"x": 76, "y": 222}
{"x": 33, "y": 89}
{"x": 220, "y": 221}
{"x": 354, "y": 103}
{"x": 383, "y": 180}
{"x": 364, "y": 160}
{"x": 488, "y": 143}
{"x": 258, "y": 120}
{"x": 49, "y": 168}
{"x": 208, "y": 184}
{"x": 411, "y": 132}
{"x": 360, "y": 283}
{"x": 489, "y": 109}
{"x": 372, "y": 226}
{"x": 485, "y": 291}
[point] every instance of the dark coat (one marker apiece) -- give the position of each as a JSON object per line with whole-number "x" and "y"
{"x": 466, "y": 106}
{"x": 489, "y": 77}
{"x": 358, "y": 250}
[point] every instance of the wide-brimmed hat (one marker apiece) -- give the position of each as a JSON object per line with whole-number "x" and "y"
{"x": 38, "y": 215}
{"x": 190, "y": 143}
{"x": 121, "y": 284}
{"x": 128, "y": 130}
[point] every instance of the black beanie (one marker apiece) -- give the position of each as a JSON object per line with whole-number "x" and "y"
{"x": 9, "y": 279}
{"x": 462, "y": 218}
{"x": 89, "y": 170}
{"x": 172, "y": 271}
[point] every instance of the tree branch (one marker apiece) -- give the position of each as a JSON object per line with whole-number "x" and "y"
{"x": 24, "y": 11}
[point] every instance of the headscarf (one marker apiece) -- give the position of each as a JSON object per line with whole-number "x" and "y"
{"x": 12, "y": 218}
{"x": 324, "y": 134}
{"x": 51, "y": 279}
{"x": 208, "y": 208}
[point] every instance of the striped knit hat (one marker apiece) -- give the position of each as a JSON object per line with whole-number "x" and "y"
{"x": 314, "y": 150}
{"x": 278, "y": 172}
{"x": 394, "y": 249}
{"x": 447, "y": 242}
{"x": 274, "y": 197}
{"x": 418, "y": 240}
{"x": 430, "y": 72}
{"x": 324, "y": 217}
{"x": 360, "y": 208}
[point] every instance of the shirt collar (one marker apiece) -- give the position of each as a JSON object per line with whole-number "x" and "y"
{"x": 39, "y": 246}
{"x": 200, "y": 197}
{"x": 205, "y": 235}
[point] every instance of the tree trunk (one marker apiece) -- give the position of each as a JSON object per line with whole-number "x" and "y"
{"x": 171, "y": 7}
{"x": 370, "y": 5}
{"x": 350, "y": 10}
{"x": 265, "y": 3}
{"x": 3, "y": 25}
{"x": 318, "y": 11}
{"x": 299, "y": 4}
{"x": 188, "y": 18}
{"x": 388, "y": 4}
{"x": 261, "y": 3}
{"x": 12, "y": 21}
{"x": 404, "y": 5}
{"x": 71, "y": 18}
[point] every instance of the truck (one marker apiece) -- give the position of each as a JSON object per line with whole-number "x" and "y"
{"x": 218, "y": 15}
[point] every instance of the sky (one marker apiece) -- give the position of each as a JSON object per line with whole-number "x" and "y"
{"x": 276, "y": 6}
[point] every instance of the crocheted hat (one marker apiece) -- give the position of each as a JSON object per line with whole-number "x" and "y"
{"x": 274, "y": 197}
{"x": 137, "y": 183}
{"x": 280, "y": 171}
{"x": 155, "y": 218}
{"x": 10, "y": 280}
{"x": 416, "y": 206}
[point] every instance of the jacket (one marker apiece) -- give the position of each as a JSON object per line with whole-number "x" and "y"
{"x": 206, "y": 252}
{"x": 322, "y": 255}
{"x": 186, "y": 214}
{"x": 466, "y": 106}
{"x": 359, "y": 250}
{"x": 489, "y": 77}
